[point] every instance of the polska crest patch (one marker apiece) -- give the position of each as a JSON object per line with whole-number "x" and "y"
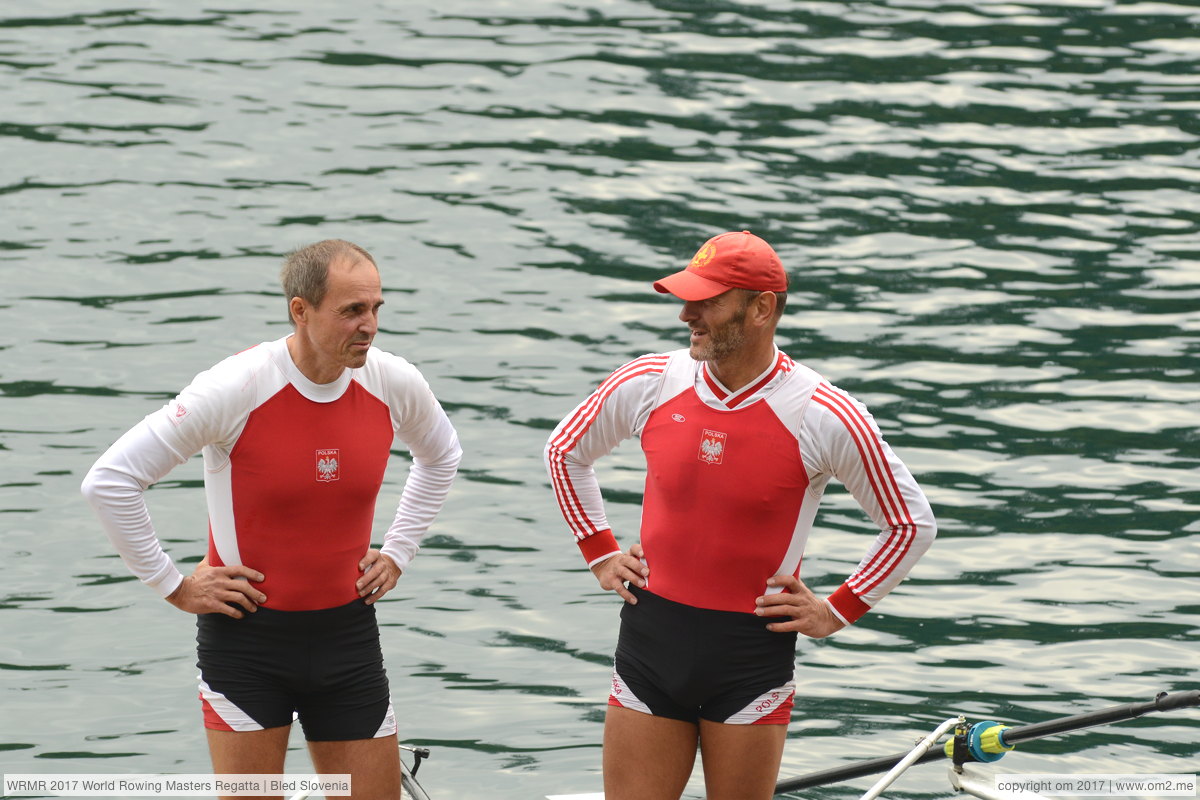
{"x": 328, "y": 465}
{"x": 712, "y": 447}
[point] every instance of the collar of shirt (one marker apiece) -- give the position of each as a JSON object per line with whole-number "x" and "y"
{"x": 714, "y": 393}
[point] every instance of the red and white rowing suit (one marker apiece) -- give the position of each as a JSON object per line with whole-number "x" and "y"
{"x": 292, "y": 470}
{"x": 734, "y": 480}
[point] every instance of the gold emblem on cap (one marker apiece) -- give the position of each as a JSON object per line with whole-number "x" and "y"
{"x": 703, "y": 256}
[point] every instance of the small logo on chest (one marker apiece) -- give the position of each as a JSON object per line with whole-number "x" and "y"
{"x": 328, "y": 465}
{"x": 712, "y": 447}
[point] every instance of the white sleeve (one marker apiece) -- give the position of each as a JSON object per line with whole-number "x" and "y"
{"x": 851, "y": 448}
{"x": 422, "y": 425}
{"x": 613, "y": 413}
{"x": 115, "y": 485}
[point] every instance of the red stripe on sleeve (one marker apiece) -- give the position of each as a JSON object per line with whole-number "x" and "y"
{"x": 573, "y": 431}
{"x": 883, "y": 484}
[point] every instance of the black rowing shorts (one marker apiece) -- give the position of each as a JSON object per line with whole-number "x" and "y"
{"x": 323, "y": 666}
{"x": 688, "y": 663}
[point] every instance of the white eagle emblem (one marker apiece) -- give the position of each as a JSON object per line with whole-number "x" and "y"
{"x": 712, "y": 447}
{"x": 327, "y": 465}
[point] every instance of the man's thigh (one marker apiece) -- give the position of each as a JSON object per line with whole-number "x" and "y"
{"x": 372, "y": 764}
{"x": 646, "y": 757}
{"x": 741, "y": 762}
{"x": 259, "y": 752}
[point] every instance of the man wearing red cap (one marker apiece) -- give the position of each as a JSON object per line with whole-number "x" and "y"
{"x": 740, "y": 443}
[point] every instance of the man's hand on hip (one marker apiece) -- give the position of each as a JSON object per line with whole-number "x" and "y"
{"x": 379, "y": 576}
{"x": 613, "y": 573}
{"x": 809, "y": 614}
{"x": 219, "y": 590}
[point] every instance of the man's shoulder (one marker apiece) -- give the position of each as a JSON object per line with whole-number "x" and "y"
{"x": 385, "y": 372}
{"x": 226, "y": 391}
{"x": 653, "y": 362}
{"x": 799, "y": 373}
{"x": 257, "y": 353}
{"x": 387, "y": 362}
{"x": 235, "y": 369}
{"x": 379, "y": 355}
{"x": 651, "y": 366}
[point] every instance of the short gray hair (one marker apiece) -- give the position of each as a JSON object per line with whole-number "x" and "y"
{"x": 305, "y": 271}
{"x": 780, "y": 300}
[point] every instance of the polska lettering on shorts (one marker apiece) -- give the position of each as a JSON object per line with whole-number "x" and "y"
{"x": 768, "y": 703}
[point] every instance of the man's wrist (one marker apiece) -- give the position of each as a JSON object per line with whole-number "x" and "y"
{"x": 598, "y": 547}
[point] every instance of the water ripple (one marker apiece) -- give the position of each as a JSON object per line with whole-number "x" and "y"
{"x": 988, "y": 215}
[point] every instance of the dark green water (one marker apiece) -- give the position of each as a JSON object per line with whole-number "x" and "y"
{"x": 989, "y": 214}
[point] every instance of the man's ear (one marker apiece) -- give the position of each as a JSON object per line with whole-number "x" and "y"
{"x": 298, "y": 309}
{"x": 763, "y": 307}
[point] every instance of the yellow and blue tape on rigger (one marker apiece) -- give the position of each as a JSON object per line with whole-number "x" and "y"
{"x": 985, "y": 742}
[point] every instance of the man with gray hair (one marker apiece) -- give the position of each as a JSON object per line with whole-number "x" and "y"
{"x": 296, "y": 435}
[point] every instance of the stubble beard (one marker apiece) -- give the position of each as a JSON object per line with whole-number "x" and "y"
{"x": 722, "y": 341}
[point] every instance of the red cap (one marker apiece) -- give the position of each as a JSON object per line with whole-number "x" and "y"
{"x": 734, "y": 260}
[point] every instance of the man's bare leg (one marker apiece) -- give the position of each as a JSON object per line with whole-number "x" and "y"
{"x": 372, "y": 764}
{"x": 646, "y": 757}
{"x": 249, "y": 752}
{"x": 741, "y": 762}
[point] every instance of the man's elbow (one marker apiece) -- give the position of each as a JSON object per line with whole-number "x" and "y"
{"x": 88, "y": 487}
{"x": 104, "y": 483}
{"x": 445, "y": 462}
{"x": 552, "y": 456}
{"x": 926, "y": 532}
{"x": 93, "y": 484}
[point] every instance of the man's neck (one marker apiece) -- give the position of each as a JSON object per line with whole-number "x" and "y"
{"x": 738, "y": 370}
{"x": 307, "y": 366}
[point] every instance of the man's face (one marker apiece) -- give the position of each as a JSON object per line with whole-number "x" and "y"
{"x": 717, "y": 325}
{"x": 342, "y": 327}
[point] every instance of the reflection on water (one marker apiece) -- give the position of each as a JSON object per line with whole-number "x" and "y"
{"x": 987, "y": 213}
